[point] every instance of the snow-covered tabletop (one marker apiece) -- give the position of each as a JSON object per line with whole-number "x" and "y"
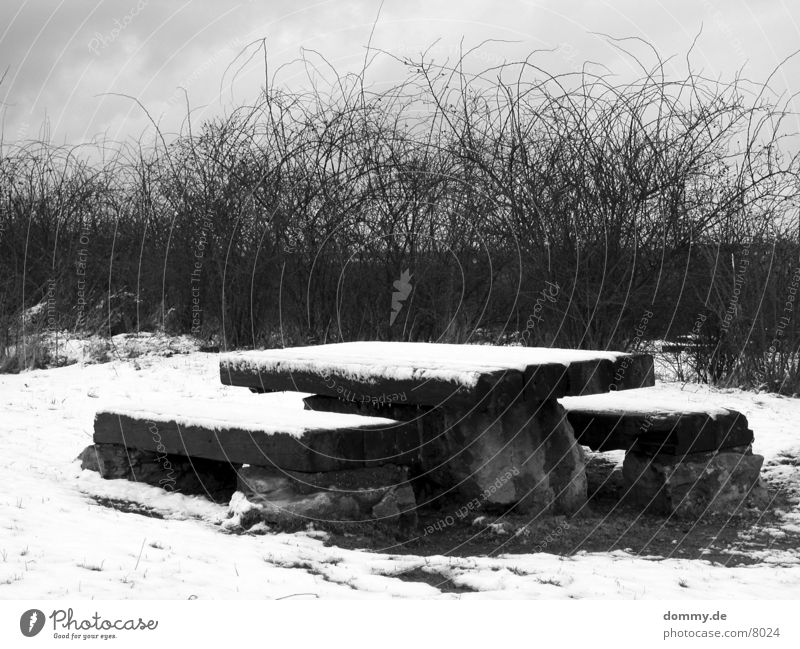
{"x": 432, "y": 373}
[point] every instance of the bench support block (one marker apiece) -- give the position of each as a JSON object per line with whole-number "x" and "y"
{"x": 289, "y": 499}
{"x": 696, "y": 484}
{"x": 177, "y": 473}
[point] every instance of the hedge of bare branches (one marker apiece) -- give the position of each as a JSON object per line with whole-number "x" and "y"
{"x": 573, "y": 210}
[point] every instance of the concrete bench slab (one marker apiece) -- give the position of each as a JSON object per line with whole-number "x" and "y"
{"x": 256, "y": 434}
{"x": 628, "y": 422}
{"x": 435, "y": 374}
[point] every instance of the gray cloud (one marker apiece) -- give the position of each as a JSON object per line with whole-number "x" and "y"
{"x": 64, "y": 57}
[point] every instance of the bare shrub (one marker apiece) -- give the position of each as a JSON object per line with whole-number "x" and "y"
{"x": 576, "y": 210}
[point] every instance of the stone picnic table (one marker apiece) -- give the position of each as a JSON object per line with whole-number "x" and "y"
{"x": 480, "y": 421}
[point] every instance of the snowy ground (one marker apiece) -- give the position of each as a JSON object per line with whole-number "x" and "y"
{"x": 57, "y": 541}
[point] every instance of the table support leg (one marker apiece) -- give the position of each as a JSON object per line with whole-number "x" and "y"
{"x": 524, "y": 454}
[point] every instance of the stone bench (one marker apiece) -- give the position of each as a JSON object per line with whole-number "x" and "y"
{"x": 609, "y": 424}
{"x": 680, "y": 460}
{"x": 276, "y": 464}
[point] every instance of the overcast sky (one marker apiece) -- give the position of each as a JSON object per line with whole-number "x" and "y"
{"x": 63, "y": 57}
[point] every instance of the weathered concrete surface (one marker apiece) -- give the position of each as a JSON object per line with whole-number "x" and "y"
{"x": 650, "y": 430}
{"x": 349, "y": 370}
{"x": 322, "y": 447}
{"x": 380, "y": 495}
{"x": 178, "y": 473}
{"x": 401, "y": 412}
{"x": 697, "y": 484}
{"x": 523, "y": 454}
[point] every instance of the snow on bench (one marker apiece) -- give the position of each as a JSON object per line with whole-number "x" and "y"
{"x": 433, "y": 373}
{"x": 626, "y": 421}
{"x": 256, "y": 434}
